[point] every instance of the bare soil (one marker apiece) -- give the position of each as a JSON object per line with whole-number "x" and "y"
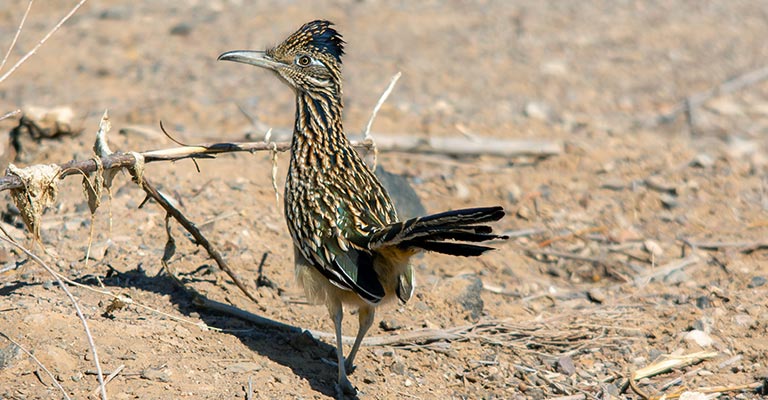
{"x": 588, "y": 289}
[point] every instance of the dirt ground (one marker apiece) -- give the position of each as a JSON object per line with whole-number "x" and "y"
{"x": 645, "y": 238}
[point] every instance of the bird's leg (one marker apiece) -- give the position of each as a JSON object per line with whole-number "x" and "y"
{"x": 337, "y": 314}
{"x": 366, "y": 315}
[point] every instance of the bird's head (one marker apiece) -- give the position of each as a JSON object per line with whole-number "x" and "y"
{"x": 309, "y": 60}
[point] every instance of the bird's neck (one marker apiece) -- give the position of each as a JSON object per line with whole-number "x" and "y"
{"x": 318, "y": 136}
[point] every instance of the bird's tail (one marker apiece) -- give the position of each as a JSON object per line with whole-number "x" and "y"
{"x": 451, "y": 232}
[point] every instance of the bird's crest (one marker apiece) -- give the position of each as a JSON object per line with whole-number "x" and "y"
{"x": 318, "y": 36}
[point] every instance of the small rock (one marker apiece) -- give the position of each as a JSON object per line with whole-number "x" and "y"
{"x": 156, "y": 374}
{"x": 658, "y": 184}
{"x": 408, "y": 382}
{"x": 461, "y": 191}
{"x": 8, "y": 355}
{"x": 116, "y": 13}
{"x": 613, "y": 184}
{"x": 181, "y": 29}
{"x": 565, "y": 365}
{"x": 744, "y": 320}
{"x": 653, "y": 248}
{"x": 389, "y": 325}
{"x": 524, "y": 213}
{"x": 668, "y": 201}
{"x": 398, "y": 367}
{"x": 702, "y": 161}
{"x": 703, "y": 302}
{"x": 242, "y": 367}
{"x": 701, "y": 338}
{"x": 756, "y": 281}
{"x": 514, "y": 193}
{"x": 554, "y": 68}
{"x": 538, "y": 110}
{"x": 596, "y": 295}
{"x": 676, "y": 277}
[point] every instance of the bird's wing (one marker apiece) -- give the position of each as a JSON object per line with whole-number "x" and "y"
{"x": 337, "y": 250}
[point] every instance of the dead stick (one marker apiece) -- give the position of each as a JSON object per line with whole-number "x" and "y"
{"x": 39, "y": 364}
{"x": 728, "y": 86}
{"x": 199, "y": 238}
{"x": 108, "y": 379}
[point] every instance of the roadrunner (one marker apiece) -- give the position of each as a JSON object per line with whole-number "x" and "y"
{"x": 350, "y": 248}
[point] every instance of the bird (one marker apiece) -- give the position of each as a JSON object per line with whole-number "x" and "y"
{"x": 350, "y": 248}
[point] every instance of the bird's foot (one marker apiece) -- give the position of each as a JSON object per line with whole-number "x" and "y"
{"x": 344, "y": 389}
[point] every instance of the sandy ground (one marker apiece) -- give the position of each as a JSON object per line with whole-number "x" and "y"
{"x": 640, "y": 240}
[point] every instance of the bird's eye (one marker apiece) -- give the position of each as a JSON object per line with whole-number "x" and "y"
{"x": 303, "y": 61}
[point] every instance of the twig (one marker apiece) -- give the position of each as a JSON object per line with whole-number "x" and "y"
{"x": 532, "y": 252}
{"x": 462, "y": 146}
{"x": 666, "y": 270}
{"x": 195, "y": 232}
{"x": 367, "y": 130}
{"x": 249, "y": 392}
{"x": 582, "y": 232}
{"x": 744, "y": 247}
{"x": 39, "y": 364}
{"x": 10, "y": 114}
{"x": 42, "y": 41}
{"x": 672, "y": 362}
{"x": 635, "y": 388}
{"x": 80, "y": 315}
{"x": 16, "y": 36}
{"x": 690, "y": 103}
{"x": 108, "y": 379}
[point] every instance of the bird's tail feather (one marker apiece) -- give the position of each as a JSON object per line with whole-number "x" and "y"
{"x": 450, "y": 232}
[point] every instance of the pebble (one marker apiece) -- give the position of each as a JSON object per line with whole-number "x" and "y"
{"x": 668, "y": 201}
{"x": 653, "y": 248}
{"x": 152, "y": 374}
{"x": 702, "y": 161}
{"x": 181, "y": 29}
{"x": 703, "y": 302}
{"x": 243, "y": 367}
{"x": 756, "y": 281}
{"x": 514, "y": 193}
{"x": 613, "y": 184}
{"x": 565, "y": 365}
{"x": 701, "y": 338}
{"x": 389, "y": 325}
{"x": 743, "y": 320}
{"x": 538, "y": 110}
{"x": 596, "y": 295}
{"x": 398, "y": 367}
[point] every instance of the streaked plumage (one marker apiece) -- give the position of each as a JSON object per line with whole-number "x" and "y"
{"x": 350, "y": 247}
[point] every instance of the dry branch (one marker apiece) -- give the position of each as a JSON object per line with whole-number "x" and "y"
{"x": 39, "y": 364}
{"x": 42, "y": 41}
{"x": 687, "y": 105}
{"x": 192, "y": 229}
{"x": 91, "y": 344}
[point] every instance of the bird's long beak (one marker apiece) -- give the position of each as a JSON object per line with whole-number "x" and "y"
{"x": 257, "y": 58}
